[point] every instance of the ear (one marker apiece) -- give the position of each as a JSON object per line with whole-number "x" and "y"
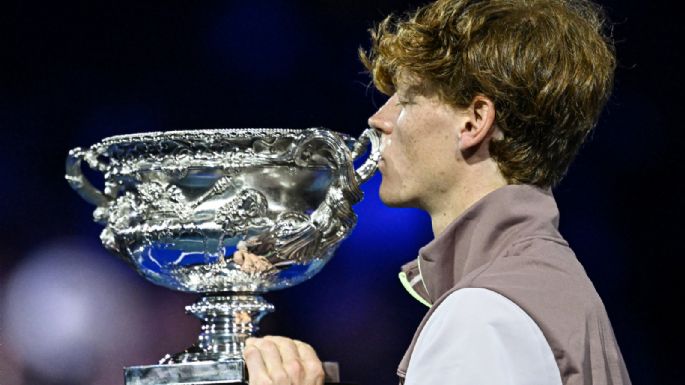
{"x": 480, "y": 117}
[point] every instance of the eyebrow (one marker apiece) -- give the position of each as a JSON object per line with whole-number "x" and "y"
{"x": 411, "y": 90}
{"x": 419, "y": 88}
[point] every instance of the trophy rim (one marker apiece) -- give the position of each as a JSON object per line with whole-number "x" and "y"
{"x": 227, "y": 133}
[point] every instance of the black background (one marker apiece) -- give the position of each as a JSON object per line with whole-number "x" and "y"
{"x": 75, "y": 72}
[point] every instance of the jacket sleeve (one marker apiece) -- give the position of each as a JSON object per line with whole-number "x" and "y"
{"x": 479, "y": 337}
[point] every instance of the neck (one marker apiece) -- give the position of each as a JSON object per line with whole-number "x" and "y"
{"x": 445, "y": 209}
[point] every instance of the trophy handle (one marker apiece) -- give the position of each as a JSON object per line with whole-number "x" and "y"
{"x": 78, "y": 181}
{"x": 366, "y": 170}
{"x": 347, "y": 179}
{"x": 295, "y": 236}
{"x": 334, "y": 217}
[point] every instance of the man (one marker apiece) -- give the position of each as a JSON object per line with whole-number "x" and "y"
{"x": 489, "y": 103}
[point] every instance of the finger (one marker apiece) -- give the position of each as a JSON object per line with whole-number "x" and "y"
{"x": 256, "y": 368}
{"x": 262, "y": 264}
{"x": 313, "y": 368}
{"x": 247, "y": 263}
{"x": 273, "y": 361}
{"x": 238, "y": 257}
{"x": 290, "y": 357}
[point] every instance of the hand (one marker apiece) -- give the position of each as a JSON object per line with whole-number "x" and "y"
{"x": 275, "y": 360}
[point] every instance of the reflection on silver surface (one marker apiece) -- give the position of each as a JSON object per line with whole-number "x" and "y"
{"x": 225, "y": 211}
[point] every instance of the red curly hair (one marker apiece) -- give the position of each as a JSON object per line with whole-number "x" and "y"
{"x": 547, "y": 65}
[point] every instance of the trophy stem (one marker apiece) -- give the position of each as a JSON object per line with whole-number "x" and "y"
{"x": 227, "y": 320}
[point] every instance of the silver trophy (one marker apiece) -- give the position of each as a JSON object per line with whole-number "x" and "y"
{"x": 229, "y": 214}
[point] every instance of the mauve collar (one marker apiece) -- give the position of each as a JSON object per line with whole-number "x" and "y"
{"x": 485, "y": 231}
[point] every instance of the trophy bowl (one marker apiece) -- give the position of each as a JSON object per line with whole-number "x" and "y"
{"x": 229, "y": 214}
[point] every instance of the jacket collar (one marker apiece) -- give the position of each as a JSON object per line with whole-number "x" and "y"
{"x": 483, "y": 232}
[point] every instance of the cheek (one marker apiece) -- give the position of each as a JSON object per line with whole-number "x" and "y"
{"x": 407, "y": 137}
{"x": 418, "y": 140}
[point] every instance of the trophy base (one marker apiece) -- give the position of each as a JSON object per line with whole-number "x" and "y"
{"x": 206, "y": 372}
{"x": 190, "y": 373}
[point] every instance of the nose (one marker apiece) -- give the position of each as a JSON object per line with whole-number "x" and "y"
{"x": 383, "y": 120}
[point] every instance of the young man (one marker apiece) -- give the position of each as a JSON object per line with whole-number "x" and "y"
{"x": 489, "y": 103}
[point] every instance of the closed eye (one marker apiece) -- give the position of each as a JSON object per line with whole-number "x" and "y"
{"x": 404, "y": 102}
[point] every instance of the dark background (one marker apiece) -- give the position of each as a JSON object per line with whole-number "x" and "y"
{"x": 73, "y": 73}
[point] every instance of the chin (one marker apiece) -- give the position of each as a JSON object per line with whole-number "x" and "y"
{"x": 392, "y": 198}
{"x": 391, "y": 202}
